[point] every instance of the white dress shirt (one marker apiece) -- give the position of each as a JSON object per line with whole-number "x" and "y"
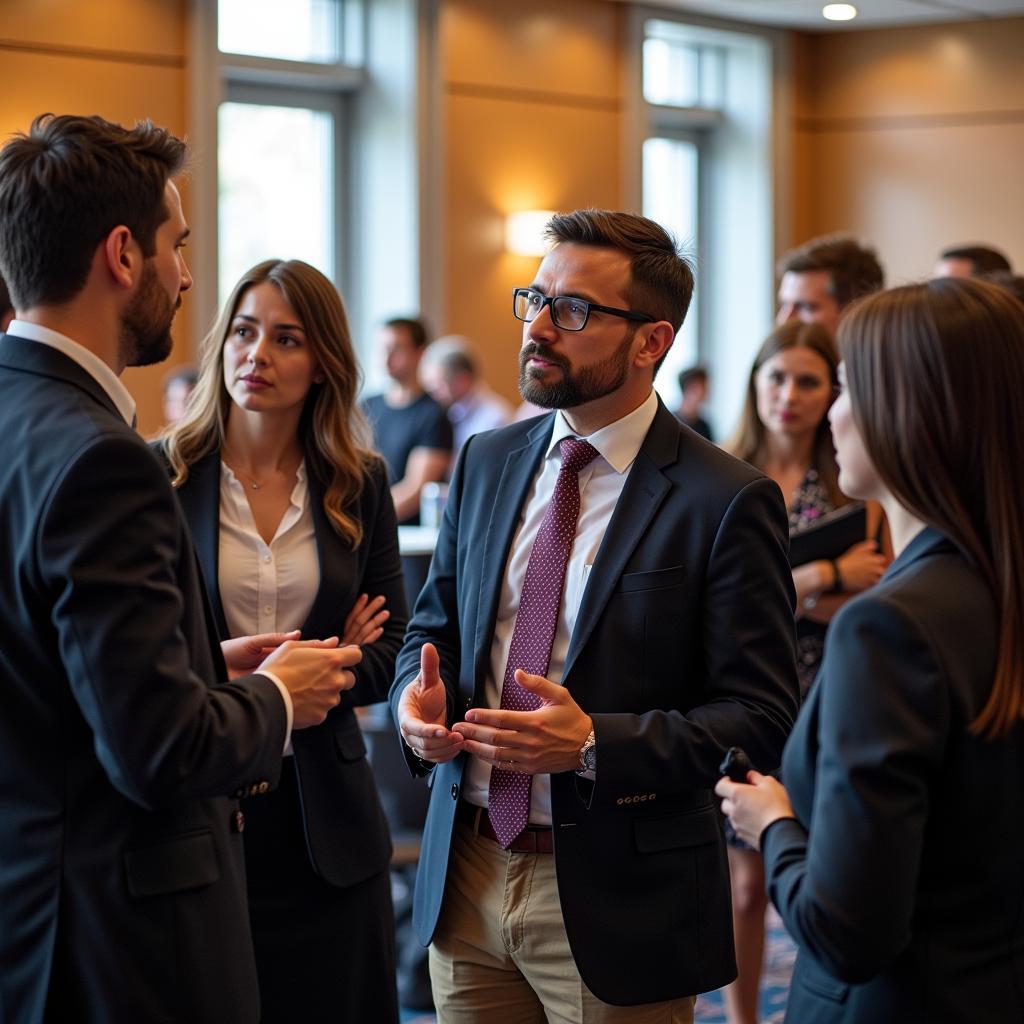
{"x": 601, "y": 483}
{"x": 266, "y": 588}
{"x": 87, "y": 360}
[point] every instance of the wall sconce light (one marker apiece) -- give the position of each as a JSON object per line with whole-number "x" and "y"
{"x": 524, "y": 232}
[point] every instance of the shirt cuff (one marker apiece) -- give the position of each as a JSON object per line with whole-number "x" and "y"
{"x": 288, "y": 710}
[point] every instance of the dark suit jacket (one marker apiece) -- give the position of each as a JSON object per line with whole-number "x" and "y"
{"x": 683, "y": 646}
{"x": 122, "y": 890}
{"x": 346, "y": 832}
{"x": 903, "y": 879}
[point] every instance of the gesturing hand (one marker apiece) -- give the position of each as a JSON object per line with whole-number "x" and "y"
{"x": 547, "y": 739}
{"x": 244, "y": 653}
{"x": 314, "y": 672}
{"x": 422, "y": 712}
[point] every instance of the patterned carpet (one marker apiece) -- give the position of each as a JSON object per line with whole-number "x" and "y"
{"x": 779, "y": 956}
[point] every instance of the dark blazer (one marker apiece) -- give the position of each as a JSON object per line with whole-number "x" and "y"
{"x": 122, "y": 889}
{"x": 683, "y": 647}
{"x": 903, "y": 879}
{"x": 346, "y": 833}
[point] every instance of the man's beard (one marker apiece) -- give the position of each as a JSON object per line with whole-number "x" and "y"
{"x": 573, "y": 389}
{"x": 146, "y": 323}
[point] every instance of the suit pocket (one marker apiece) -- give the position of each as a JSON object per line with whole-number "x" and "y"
{"x": 695, "y": 828}
{"x": 657, "y": 579}
{"x": 350, "y": 744}
{"x": 176, "y": 865}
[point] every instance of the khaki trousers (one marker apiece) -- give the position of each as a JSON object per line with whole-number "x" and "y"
{"x": 500, "y": 953}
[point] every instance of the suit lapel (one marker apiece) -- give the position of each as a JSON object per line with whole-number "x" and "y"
{"x": 200, "y": 499}
{"x": 338, "y": 567}
{"x": 36, "y": 357}
{"x": 506, "y": 511}
{"x": 642, "y": 494}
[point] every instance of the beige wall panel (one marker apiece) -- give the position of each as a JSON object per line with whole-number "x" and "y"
{"x": 569, "y": 47}
{"x": 912, "y": 192}
{"x": 505, "y": 156}
{"x": 941, "y": 69}
{"x": 137, "y": 26}
{"x": 121, "y": 92}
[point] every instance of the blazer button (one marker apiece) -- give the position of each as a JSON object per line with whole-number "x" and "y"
{"x": 651, "y": 796}
{"x": 455, "y": 791}
{"x": 263, "y": 787}
{"x": 238, "y": 822}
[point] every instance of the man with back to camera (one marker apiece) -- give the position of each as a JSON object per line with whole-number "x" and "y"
{"x": 970, "y": 261}
{"x": 609, "y": 608}
{"x": 122, "y": 890}
{"x": 410, "y": 429}
{"x": 820, "y": 278}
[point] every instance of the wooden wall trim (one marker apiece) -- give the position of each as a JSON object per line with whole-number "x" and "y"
{"x": 544, "y": 97}
{"x": 90, "y": 53}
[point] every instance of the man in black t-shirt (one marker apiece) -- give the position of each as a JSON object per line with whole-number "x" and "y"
{"x": 411, "y": 430}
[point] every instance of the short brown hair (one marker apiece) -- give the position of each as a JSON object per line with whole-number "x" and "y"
{"x": 853, "y": 268}
{"x": 982, "y": 258}
{"x": 68, "y": 182}
{"x": 935, "y": 373}
{"x": 661, "y": 277}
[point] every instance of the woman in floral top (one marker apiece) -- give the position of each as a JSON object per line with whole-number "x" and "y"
{"x": 784, "y": 432}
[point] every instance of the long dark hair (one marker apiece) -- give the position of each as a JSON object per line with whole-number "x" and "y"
{"x": 748, "y": 443}
{"x": 936, "y": 373}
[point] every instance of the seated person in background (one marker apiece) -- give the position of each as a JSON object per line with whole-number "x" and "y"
{"x": 784, "y": 432}
{"x": 450, "y": 373}
{"x": 6, "y": 307}
{"x": 693, "y": 383}
{"x": 410, "y": 429}
{"x": 893, "y": 853}
{"x": 822, "y": 277}
{"x": 178, "y": 385}
{"x": 970, "y": 261}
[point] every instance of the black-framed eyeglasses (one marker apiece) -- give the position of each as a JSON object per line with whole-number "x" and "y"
{"x": 567, "y": 313}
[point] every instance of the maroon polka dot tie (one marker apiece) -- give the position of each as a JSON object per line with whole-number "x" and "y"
{"x": 536, "y": 622}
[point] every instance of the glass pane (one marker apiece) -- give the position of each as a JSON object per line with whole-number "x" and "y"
{"x": 670, "y": 197}
{"x": 276, "y": 188}
{"x": 296, "y": 30}
{"x": 671, "y": 73}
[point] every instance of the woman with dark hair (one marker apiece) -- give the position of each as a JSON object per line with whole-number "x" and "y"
{"x": 783, "y": 431}
{"x": 295, "y": 528}
{"x": 893, "y": 853}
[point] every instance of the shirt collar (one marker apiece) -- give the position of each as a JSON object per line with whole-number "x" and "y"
{"x": 88, "y": 361}
{"x": 617, "y": 443}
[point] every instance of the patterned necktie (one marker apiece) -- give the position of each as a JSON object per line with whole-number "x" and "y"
{"x": 536, "y": 622}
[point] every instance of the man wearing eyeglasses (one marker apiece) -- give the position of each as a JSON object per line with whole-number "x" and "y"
{"x": 609, "y": 609}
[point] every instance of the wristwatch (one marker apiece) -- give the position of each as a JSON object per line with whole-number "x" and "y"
{"x": 588, "y": 754}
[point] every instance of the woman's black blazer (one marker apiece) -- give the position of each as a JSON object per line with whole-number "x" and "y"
{"x": 346, "y": 832}
{"x": 902, "y": 881}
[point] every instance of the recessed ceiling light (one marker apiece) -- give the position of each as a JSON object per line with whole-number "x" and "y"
{"x": 839, "y": 12}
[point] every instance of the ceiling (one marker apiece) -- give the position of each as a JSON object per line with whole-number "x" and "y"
{"x": 806, "y": 14}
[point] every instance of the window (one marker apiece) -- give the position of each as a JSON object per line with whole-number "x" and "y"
{"x": 305, "y": 123}
{"x": 282, "y": 161}
{"x": 702, "y": 123}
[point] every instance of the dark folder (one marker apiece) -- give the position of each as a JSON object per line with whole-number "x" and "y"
{"x": 831, "y": 536}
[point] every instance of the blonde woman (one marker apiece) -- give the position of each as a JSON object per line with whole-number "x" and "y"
{"x": 295, "y": 528}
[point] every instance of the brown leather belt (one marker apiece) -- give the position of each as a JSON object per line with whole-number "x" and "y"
{"x": 533, "y": 838}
